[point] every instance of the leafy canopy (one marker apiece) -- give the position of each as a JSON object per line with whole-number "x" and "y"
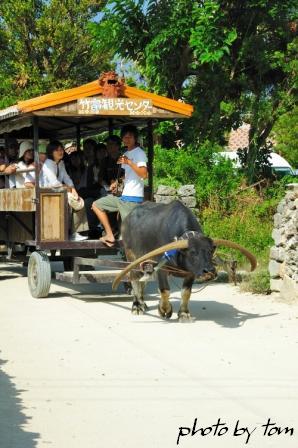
{"x": 235, "y": 61}
{"x": 45, "y": 46}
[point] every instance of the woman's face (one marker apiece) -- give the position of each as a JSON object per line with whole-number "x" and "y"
{"x": 58, "y": 154}
{"x": 28, "y": 156}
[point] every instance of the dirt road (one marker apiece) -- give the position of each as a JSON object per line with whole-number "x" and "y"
{"x": 78, "y": 370}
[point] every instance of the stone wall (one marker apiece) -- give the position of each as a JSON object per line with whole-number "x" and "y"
{"x": 186, "y": 194}
{"x": 283, "y": 264}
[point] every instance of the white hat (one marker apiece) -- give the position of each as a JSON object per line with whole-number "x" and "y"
{"x": 70, "y": 145}
{"x": 25, "y": 146}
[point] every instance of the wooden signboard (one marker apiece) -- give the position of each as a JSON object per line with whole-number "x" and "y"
{"x": 114, "y": 106}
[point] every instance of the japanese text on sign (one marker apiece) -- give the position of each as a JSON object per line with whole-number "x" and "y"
{"x": 114, "y": 106}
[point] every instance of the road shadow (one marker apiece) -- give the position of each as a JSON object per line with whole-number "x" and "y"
{"x": 102, "y": 292}
{"x": 11, "y": 269}
{"x": 222, "y": 314}
{"x": 8, "y": 277}
{"x": 12, "y": 419}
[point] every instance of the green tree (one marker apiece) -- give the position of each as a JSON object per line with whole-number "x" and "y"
{"x": 45, "y": 46}
{"x": 285, "y": 133}
{"x": 233, "y": 60}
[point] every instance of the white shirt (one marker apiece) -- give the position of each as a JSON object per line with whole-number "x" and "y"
{"x": 134, "y": 184}
{"x": 19, "y": 178}
{"x": 30, "y": 177}
{"x": 54, "y": 175}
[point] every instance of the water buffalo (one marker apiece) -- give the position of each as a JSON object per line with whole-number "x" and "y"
{"x": 170, "y": 235}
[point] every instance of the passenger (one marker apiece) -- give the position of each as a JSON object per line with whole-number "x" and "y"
{"x": 134, "y": 162}
{"x": 70, "y": 147}
{"x": 111, "y": 170}
{"x": 13, "y": 152}
{"x": 89, "y": 149}
{"x": 100, "y": 154}
{"x": 54, "y": 175}
{"x": 90, "y": 187}
{"x": 30, "y": 177}
{"x": 26, "y": 158}
{"x": 3, "y": 165}
{"x": 10, "y": 169}
{"x": 77, "y": 170}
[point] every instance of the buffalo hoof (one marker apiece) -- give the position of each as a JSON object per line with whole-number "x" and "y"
{"x": 184, "y": 317}
{"x": 167, "y": 314}
{"x": 139, "y": 308}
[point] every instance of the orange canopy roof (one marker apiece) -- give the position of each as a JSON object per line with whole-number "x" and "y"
{"x": 93, "y": 88}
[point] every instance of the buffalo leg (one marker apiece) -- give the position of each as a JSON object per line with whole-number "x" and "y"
{"x": 183, "y": 313}
{"x": 165, "y": 307}
{"x": 138, "y": 306}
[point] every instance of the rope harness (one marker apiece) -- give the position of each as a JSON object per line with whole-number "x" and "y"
{"x": 169, "y": 256}
{"x": 230, "y": 266}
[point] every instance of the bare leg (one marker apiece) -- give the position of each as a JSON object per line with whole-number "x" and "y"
{"x": 103, "y": 218}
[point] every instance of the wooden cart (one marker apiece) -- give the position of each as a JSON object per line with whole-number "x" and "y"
{"x": 34, "y": 221}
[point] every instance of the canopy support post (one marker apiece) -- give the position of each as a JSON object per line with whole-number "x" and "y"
{"x": 150, "y": 157}
{"x": 35, "y": 123}
{"x": 78, "y": 136}
{"x": 111, "y": 124}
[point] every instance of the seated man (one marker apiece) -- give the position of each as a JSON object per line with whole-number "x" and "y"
{"x": 134, "y": 163}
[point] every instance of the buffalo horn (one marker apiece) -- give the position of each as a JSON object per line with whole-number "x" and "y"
{"x": 231, "y": 244}
{"x": 180, "y": 244}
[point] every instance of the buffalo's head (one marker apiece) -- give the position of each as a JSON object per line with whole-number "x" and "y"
{"x": 197, "y": 258}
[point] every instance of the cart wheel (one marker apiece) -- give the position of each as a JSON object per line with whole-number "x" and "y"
{"x": 39, "y": 274}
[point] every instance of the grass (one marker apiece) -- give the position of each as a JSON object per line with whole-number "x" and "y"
{"x": 257, "y": 282}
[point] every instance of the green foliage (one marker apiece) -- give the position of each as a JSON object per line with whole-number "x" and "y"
{"x": 257, "y": 282}
{"x": 46, "y": 47}
{"x": 214, "y": 181}
{"x": 235, "y": 61}
{"x": 285, "y": 132}
{"x": 208, "y": 39}
{"x": 246, "y": 224}
{"x": 227, "y": 208}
